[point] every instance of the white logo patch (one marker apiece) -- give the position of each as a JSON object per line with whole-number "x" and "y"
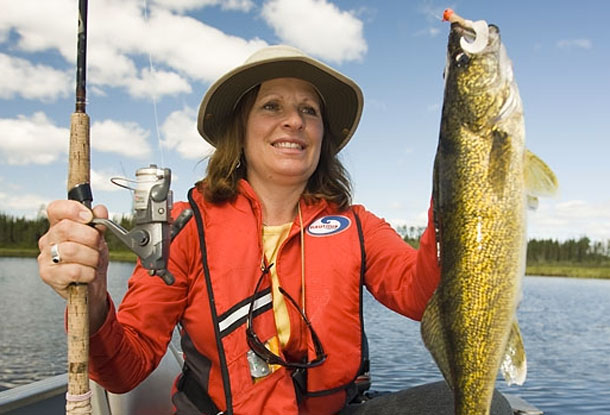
{"x": 329, "y": 225}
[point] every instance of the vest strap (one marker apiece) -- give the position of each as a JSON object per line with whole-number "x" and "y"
{"x": 195, "y": 393}
{"x": 208, "y": 280}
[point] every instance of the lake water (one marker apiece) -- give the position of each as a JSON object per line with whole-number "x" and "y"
{"x": 565, "y": 325}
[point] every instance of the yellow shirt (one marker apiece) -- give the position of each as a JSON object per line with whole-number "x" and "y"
{"x": 273, "y": 236}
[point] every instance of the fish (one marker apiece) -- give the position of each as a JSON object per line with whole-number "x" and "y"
{"x": 484, "y": 180}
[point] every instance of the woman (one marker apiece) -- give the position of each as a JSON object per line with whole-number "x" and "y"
{"x": 270, "y": 272}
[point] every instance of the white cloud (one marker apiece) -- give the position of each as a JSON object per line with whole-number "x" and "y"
{"x": 317, "y": 27}
{"x": 20, "y": 136}
{"x": 153, "y": 84}
{"x": 41, "y": 25}
{"x": 111, "y": 136}
{"x": 121, "y": 37}
{"x": 376, "y": 104}
{"x": 32, "y": 140}
{"x": 434, "y": 17}
{"x": 198, "y": 50}
{"x": 20, "y": 77}
{"x": 575, "y": 43}
{"x": 180, "y": 133}
{"x": 433, "y": 13}
{"x": 431, "y": 31}
{"x": 107, "y": 66}
{"x": 413, "y": 219}
{"x": 22, "y": 204}
{"x": 15, "y": 201}
{"x": 242, "y": 5}
{"x": 100, "y": 180}
{"x": 185, "y": 5}
{"x": 570, "y": 219}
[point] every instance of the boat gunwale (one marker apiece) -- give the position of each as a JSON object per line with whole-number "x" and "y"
{"x": 32, "y": 393}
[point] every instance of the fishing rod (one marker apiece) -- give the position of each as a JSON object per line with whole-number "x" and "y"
{"x": 149, "y": 239}
{"x": 78, "y": 397}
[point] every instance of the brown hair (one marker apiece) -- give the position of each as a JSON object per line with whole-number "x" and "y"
{"x": 227, "y": 165}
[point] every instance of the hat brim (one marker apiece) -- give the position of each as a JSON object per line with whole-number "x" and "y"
{"x": 342, "y": 97}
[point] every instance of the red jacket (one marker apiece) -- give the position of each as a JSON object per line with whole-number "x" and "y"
{"x": 130, "y": 344}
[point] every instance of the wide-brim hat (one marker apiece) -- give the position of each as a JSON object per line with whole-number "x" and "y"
{"x": 342, "y": 97}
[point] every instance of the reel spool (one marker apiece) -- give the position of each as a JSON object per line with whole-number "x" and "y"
{"x": 154, "y": 230}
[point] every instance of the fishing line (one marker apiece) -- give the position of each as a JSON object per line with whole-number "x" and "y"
{"x": 153, "y": 88}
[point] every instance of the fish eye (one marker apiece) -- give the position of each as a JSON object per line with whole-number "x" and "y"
{"x": 462, "y": 59}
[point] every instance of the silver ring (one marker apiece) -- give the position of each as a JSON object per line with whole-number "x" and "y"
{"x": 55, "y": 257}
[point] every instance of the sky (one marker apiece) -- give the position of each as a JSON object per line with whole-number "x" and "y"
{"x": 151, "y": 61}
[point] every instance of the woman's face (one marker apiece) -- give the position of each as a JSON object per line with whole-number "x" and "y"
{"x": 284, "y": 133}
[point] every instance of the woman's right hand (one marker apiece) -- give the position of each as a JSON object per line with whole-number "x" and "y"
{"x": 83, "y": 253}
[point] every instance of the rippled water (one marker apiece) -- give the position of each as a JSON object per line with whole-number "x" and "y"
{"x": 32, "y": 336}
{"x": 566, "y": 329}
{"x": 565, "y": 325}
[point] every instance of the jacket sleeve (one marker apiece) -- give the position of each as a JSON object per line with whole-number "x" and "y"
{"x": 399, "y": 276}
{"x": 132, "y": 341}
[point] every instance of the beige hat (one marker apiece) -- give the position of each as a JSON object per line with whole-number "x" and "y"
{"x": 342, "y": 97}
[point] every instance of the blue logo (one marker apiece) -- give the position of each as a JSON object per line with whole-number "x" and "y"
{"x": 329, "y": 225}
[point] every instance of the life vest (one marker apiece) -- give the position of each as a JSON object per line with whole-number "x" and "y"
{"x": 217, "y": 374}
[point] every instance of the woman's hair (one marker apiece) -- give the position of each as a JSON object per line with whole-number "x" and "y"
{"x": 227, "y": 165}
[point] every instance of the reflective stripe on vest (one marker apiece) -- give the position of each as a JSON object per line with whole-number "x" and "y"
{"x": 237, "y": 315}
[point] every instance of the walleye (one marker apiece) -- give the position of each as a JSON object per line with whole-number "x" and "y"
{"x": 483, "y": 177}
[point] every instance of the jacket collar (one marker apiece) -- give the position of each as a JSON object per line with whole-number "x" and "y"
{"x": 309, "y": 210}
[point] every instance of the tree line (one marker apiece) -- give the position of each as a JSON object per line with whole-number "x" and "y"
{"x": 581, "y": 250}
{"x": 541, "y": 251}
{"x": 22, "y": 233}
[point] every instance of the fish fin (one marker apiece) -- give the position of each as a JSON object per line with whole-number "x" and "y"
{"x": 539, "y": 178}
{"x": 514, "y": 364}
{"x": 435, "y": 210}
{"x": 532, "y": 202}
{"x": 432, "y": 334}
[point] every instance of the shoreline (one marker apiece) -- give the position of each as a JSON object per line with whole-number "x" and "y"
{"x": 118, "y": 256}
{"x": 569, "y": 270}
{"x": 600, "y": 272}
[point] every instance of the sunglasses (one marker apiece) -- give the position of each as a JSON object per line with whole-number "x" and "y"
{"x": 258, "y": 346}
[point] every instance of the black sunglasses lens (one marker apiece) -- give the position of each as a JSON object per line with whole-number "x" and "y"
{"x": 261, "y": 351}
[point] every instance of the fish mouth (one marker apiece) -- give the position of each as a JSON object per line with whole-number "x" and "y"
{"x": 462, "y": 31}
